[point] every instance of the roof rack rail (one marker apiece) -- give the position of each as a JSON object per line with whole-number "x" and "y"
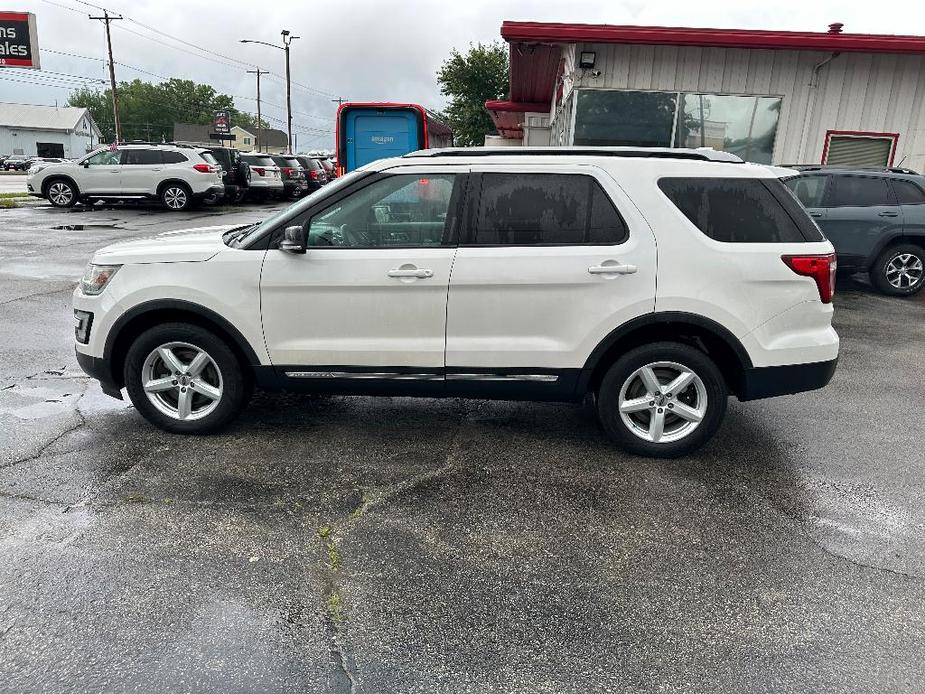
{"x": 703, "y": 154}
{"x": 846, "y": 167}
{"x": 161, "y": 144}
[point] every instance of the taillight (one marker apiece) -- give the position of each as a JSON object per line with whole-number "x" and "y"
{"x": 820, "y": 267}
{"x": 260, "y": 171}
{"x": 287, "y": 171}
{"x": 203, "y": 168}
{"x": 314, "y": 174}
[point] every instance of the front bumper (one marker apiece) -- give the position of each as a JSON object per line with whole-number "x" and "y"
{"x": 771, "y": 381}
{"x": 98, "y": 368}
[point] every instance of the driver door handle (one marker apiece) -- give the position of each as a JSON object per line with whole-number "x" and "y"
{"x": 888, "y": 214}
{"x": 420, "y": 274}
{"x": 612, "y": 269}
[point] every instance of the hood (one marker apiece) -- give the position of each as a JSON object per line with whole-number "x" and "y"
{"x": 185, "y": 246}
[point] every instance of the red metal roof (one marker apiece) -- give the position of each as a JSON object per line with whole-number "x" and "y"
{"x": 549, "y": 32}
{"x": 535, "y": 52}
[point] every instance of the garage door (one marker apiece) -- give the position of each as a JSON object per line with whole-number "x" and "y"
{"x": 856, "y": 150}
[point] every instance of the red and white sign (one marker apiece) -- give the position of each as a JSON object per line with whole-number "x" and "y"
{"x": 19, "y": 44}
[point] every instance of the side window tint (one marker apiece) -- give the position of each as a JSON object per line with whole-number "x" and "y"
{"x": 735, "y": 210}
{"x": 401, "y": 210}
{"x": 141, "y": 157}
{"x": 808, "y": 189}
{"x": 105, "y": 158}
{"x": 173, "y": 158}
{"x": 859, "y": 191}
{"x": 907, "y": 192}
{"x": 543, "y": 209}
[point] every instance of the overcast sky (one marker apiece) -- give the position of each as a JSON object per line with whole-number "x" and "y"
{"x": 363, "y": 50}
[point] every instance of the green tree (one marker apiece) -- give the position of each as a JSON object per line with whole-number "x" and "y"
{"x": 470, "y": 80}
{"x": 148, "y": 110}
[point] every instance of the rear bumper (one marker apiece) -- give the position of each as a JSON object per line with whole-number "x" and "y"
{"x": 771, "y": 381}
{"x": 215, "y": 191}
{"x": 98, "y": 368}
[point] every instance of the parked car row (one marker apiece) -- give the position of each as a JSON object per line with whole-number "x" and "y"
{"x": 177, "y": 174}
{"x": 20, "y": 162}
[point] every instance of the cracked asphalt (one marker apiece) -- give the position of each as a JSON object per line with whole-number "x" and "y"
{"x": 402, "y": 545}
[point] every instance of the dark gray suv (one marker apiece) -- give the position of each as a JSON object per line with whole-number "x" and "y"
{"x": 874, "y": 218}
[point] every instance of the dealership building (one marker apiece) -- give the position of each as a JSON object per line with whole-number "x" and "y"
{"x": 778, "y": 97}
{"x": 47, "y": 131}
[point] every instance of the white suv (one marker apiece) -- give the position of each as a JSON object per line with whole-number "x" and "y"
{"x": 660, "y": 281}
{"x": 177, "y": 175}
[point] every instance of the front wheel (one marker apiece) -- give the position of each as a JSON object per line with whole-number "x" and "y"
{"x": 900, "y": 270}
{"x": 176, "y": 197}
{"x": 662, "y": 400}
{"x": 184, "y": 379}
{"x": 61, "y": 193}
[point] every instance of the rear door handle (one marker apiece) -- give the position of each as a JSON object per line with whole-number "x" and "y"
{"x": 419, "y": 273}
{"x": 816, "y": 215}
{"x": 614, "y": 269}
{"x": 888, "y": 214}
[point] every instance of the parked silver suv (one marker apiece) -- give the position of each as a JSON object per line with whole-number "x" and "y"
{"x": 177, "y": 175}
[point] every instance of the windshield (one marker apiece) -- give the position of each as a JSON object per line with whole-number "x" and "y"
{"x": 297, "y": 208}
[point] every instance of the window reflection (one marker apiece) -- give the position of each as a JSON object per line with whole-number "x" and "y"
{"x": 743, "y": 125}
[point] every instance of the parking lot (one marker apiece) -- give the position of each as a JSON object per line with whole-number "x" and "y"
{"x": 402, "y": 545}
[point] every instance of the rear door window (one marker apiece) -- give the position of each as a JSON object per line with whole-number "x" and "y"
{"x": 859, "y": 191}
{"x": 545, "y": 209}
{"x": 809, "y": 190}
{"x": 741, "y": 210}
{"x": 141, "y": 157}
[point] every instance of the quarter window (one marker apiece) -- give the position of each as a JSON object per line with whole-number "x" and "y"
{"x": 546, "y": 209}
{"x": 173, "y": 158}
{"x": 859, "y": 191}
{"x": 741, "y": 210}
{"x": 907, "y": 192}
{"x": 404, "y": 210}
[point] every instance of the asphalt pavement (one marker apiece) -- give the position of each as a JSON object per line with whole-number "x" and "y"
{"x": 12, "y": 183}
{"x": 404, "y": 545}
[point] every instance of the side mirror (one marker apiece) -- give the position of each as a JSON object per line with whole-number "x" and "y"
{"x": 293, "y": 240}
{"x": 86, "y": 165}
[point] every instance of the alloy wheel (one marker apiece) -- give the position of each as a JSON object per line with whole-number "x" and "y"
{"x": 904, "y": 270}
{"x": 60, "y": 194}
{"x": 175, "y": 198}
{"x": 182, "y": 381}
{"x": 663, "y": 402}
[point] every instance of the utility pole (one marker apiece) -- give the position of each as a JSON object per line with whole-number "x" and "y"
{"x": 340, "y": 100}
{"x": 106, "y": 19}
{"x": 287, "y": 39}
{"x": 258, "y": 72}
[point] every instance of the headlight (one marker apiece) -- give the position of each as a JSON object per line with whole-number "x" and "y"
{"x": 96, "y": 278}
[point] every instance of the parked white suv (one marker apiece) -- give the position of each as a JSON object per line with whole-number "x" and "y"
{"x": 177, "y": 175}
{"x": 660, "y": 281}
{"x": 266, "y": 179}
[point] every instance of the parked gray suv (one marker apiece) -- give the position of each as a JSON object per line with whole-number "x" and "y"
{"x": 875, "y": 218}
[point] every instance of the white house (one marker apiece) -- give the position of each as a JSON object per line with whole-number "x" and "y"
{"x": 779, "y": 97}
{"x": 47, "y": 131}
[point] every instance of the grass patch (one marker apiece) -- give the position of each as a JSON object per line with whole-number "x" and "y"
{"x": 335, "y": 607}
{"x": 7, "y": 204}
{"x": 7, "y": 196}
{"x": 334, "y": 558}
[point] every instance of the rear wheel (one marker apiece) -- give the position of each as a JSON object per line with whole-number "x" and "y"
{"x": 184, "y": 379}
{"x": 176, "y": 197}
{"x": 61, "y": 193}
{"x": 900, "y": 270}
{"x": 662, "y": 400}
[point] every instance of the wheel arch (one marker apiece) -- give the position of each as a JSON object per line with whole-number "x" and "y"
{"x": 894, "y": 238}
{"x": 59, "y": 177}
{"x": 174, "y": 181}
{"x": 136, "y": 320}
{"x": 703, "y": 333}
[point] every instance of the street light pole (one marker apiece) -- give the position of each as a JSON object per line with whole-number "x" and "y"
{"x": 287, "y": 39}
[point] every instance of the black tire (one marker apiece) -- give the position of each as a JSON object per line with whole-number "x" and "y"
{"x": 623, "y": 371}
{"x": 225, "y": 373}
{"x": 176, "y": 197}
{"x": 61, "y": 192}
{"x": 903, "y": 264}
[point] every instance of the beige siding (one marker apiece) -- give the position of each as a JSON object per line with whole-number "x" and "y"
{"x": 855, "y": 91}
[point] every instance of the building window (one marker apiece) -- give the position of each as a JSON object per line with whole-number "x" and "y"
{"x": 851, "y": 148}
{"x": 247, "y": 140}
{"x": 742, "y": 125}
